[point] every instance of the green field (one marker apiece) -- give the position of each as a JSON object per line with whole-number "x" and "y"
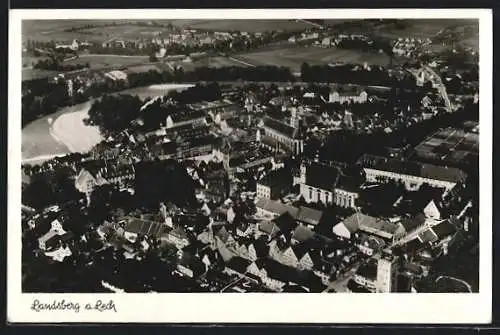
{"x": 213, "y": 62}
{"x": 294, "y": 57}
{"x": 97, "y": 62}
{"x": 32, "y": 74}
{"x": 53, "y": 30}
{"x": 242, "y": 25}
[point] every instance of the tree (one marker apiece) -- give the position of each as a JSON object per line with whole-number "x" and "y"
{"x": 153, "y": 58}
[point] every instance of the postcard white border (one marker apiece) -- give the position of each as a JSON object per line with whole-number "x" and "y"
{"x": 256, "y": 308}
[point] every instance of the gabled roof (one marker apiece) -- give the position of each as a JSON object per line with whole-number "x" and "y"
{"x": 238, "y": 264}
{"x": 179, "y": 233}
{"x": 427, "y": 236}
{"x": 189, "y": 261}
{"x": 444, "y": 229}
{"x": 281, "y": 127}
{"x": 412, "y": 223}
{"x": 187, "y": 115}
{"x": 300, "y": 250}
{"x": 223, "y": 234}
{"x": 276, "y": 207}
{"x": 285, "y": 222}
{"x": 146, "y": 227}
{"x": 369, "y": 224}
{"x": 309, "y": 215}
{"x": 269, "y": 227}
{"x": 302, "y": 234}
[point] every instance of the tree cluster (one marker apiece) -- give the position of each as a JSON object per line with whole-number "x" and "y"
{"x": 113, "y": 114}
{"x": 347, "y": 74}
{"x": 55, "y": 65}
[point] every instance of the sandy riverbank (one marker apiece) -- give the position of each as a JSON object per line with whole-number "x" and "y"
{"x": 70, "y": 130}
{"x": 169, "y": 87}
{"x": 63, "y": 131}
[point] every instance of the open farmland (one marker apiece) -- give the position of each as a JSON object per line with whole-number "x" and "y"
{"x": 54, "y": 30}
{"x": 294, "y": 57}
{"x": 33, "y": 74}
{"x": 105, "y": 61}
{"x": 126, "y": 32}
{"x": 213, "y": 62}
{"x": 242, "y": 25}
{"x": 450, "y": 146}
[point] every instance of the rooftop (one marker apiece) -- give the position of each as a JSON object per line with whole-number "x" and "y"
{"x": 369, "y": 224}
{"x": 276, "y": 177}
{"x": 424, "y": 170}
{"x": 368, "y": 270}
{"x": 276, "y": 207}
{"x": 281, "y": 127}
{"x": 309, "y": 215}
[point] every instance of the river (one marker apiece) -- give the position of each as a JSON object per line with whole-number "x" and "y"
{"x": 52, "y": 135}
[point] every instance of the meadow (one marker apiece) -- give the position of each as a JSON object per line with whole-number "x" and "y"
{"x": 293, "y": 57}
{"x": 242, "y": 25}
{"x": 54, "y": 30}
{"x": 97, "y": 62}
{"x": 213, "y": 62}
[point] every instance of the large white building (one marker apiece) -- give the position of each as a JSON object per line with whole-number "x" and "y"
{"x": 411, "y": 174}
{"x": 327, "y": 184}
{"x": 348, "y": 96}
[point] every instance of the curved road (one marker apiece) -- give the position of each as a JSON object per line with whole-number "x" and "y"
{"x": 441, "y": 88}
{"x": 457, "y": 280}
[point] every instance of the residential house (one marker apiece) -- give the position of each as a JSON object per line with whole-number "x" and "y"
{"x": 60, "y": 254}
{"x": 49, "y": 240}
{"x": 218, "y": 110}
{"x": 268, "y": 228}
{"x": 276, "y": 275}
{"x": 298, "y": 256}
{"x": 136, "y": 227}
{"x": 245, "y": 229}
{"x": 186, "y": 117}
{"x": 361, "y": 222}
{"x": 179, "y": 237}
{"x": 366, "y": 275}
{"x": 190, "y": 266}
{"x": 223, "y": 237}
{"x": 309, "y": 217}
{"x": 302, "y": 234}
{"x": 370, "y": 245}
{"x": 440, "y": 236}
{"x": 271, "y": 209}
{"x": 97, "y": 173}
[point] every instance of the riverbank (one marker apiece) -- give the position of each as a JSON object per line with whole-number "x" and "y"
{"x": 63, "y": 131}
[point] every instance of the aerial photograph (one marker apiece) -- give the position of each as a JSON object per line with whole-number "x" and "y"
{"x": 250, "y": 156}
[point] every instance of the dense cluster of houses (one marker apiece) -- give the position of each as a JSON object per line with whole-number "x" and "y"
{"x": 409, "y": 46}
{"x": 287, "y": 235}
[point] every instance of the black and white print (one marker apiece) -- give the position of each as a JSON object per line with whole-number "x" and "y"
{"x": 250, "y": 156}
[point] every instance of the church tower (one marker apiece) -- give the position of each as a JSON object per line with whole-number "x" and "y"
{"x": 387, "y": 272}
